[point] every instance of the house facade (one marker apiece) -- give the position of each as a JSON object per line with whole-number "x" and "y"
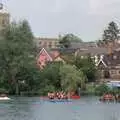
{"x": 47, "y": 43}
{"x": 45, "y": 56}
{"x": 109, "y": 65}
{"x": 106, "y": 59}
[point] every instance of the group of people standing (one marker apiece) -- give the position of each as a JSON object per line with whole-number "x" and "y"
{"x": 58, "y": 95}
{"x": 108, "y": 97}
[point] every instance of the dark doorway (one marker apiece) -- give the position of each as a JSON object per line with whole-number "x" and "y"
{"x": 106, "y": 74}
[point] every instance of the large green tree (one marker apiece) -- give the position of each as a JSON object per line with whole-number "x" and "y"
{"x": 16, "y": 52}
{"x": 87, "y": 66}
{"x": 111, "y": 34}
{"x": 50, "y": 75}
{"x": 67, "y": 39}
{"x": 71, "y": 78}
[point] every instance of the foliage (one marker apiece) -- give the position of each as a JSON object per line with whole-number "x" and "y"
{"x": 69, "y": 58}
{"x": 87, "y": 66}
{"x": 3, "y": 90}
{"x": 110, "y": 34}
{"x": 71, "y": 78}
{"x": 19, "y": 73}
{"x": 101, "y": 89}
{"x": 16, "y": 53}
{"x": 50, "y": 75}
{"x": 115, "y": 91}
{"x": 90, "y": 88}
{"x": 47, "y": 88}
{"x": 67, "y": 39}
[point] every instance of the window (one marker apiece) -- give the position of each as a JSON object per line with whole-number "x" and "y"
{"x": 45, "y": 44}
{"x": 50, "y": 44}
{"x": 113, "y": 72}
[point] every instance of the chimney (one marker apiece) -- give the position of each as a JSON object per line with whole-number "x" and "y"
{"x": 110, "y": 48}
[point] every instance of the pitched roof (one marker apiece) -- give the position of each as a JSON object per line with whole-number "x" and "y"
{"x": 112, "y": 60}
{"x": 93, "y": 51}
{"x": 82, "y": 45}
{"x": 43, "y": 49}
{"x": 51, "y": 54}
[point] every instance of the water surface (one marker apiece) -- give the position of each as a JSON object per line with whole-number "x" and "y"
{"x": 32, "y": 108}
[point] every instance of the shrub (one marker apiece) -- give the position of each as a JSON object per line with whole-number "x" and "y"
{"x": 90, "y": 88}
{"x": 101, "y": 89}
{"x": 3, "y": 91}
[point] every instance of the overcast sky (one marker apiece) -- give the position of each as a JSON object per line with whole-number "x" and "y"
{"x": 48, "y": 18}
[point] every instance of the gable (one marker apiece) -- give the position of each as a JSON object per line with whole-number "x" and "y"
{"x": 101, "y": 61}
{"x": 101, "y": 65}
{"x": 44, "y": 56}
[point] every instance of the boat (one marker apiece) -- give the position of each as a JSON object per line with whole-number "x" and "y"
{"x": 75, "y": 97}
{"x": 4, "y": 98}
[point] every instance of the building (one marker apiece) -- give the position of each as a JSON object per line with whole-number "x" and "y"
{"x": 4, "y": 17}
{"x": 48, "y": 43}
{"x": 44, "y": 57}
{"x": 109, "y": 65}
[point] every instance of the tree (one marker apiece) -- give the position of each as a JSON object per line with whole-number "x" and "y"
{"x": 71, "y": 78}
{"x": 50, "y": 75}
{"x": 16, "y": 51}
{"x": 101, "y": 89}
{"x": 87, "y": 66}
{"x": 67, "y": 39}
{"x": 112, "y": 33}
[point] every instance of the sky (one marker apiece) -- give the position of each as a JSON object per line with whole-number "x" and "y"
{"x": 49, "y": 18}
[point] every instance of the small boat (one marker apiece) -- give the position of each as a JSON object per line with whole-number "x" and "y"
{"x": 4, "y": 98}
{"x": 75, "y": 97}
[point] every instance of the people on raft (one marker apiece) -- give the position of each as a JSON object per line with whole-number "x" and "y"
{"x": 108, "y": 97}
{"x": 57, "y": 95}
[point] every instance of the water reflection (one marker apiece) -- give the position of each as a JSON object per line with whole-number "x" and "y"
{"x": 24, "y": 108}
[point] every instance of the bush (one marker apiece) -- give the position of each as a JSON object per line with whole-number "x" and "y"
{"x": 3, "y": 91}
{"x": 46, "y": 89}
{"x": 115, "y": 91}
{"x": 90, "y": 89}
{"x": 101, "y": 89}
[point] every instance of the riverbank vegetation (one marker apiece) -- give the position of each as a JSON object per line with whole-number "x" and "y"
{"x": 100, "y": 89}
{"x": 19, "y": 73}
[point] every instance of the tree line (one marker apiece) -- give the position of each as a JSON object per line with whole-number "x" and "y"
{"x": 20, "y": 74}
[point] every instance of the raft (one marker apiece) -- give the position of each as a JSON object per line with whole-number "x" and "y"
{"x": 74, "y": 97}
